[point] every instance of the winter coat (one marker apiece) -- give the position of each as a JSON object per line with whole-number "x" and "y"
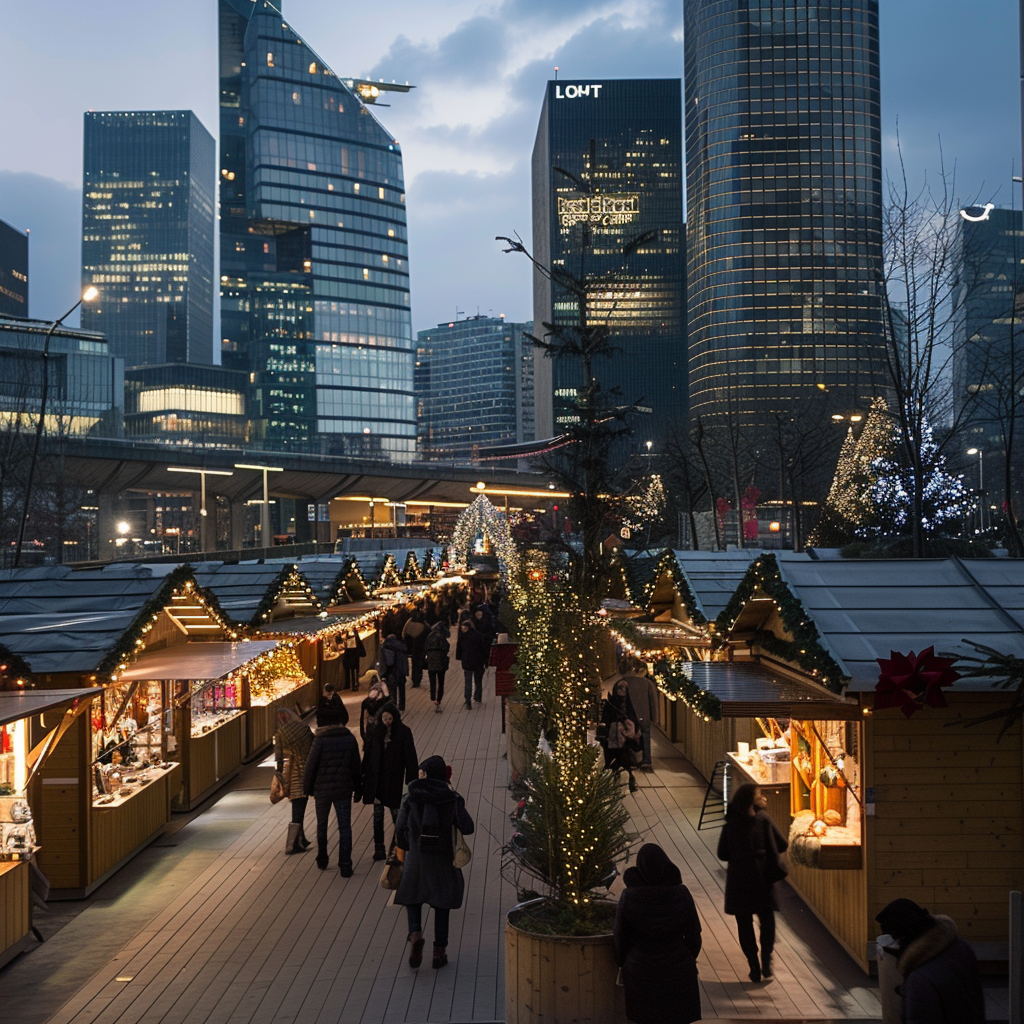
{"x": 429, "y": 875}
{"x": 472, "y": 649}
{"x": 395, "y": 652}
{"x": 332, "y": 769}
{"x": 293, "y": 740}
{"x": 643, "y": 696}
{"x": 941, "y": 984}
{"x": 657, "y": 940}
{"x": 751, "y": 845}
{"x": 615, "y": 711}
{"x": 350, "y": 656}
{"x": 388, "y": 766}
{"x": 368, "y": 713}
{"x": 437, "y": 648}
{"x": 415, "y": 636}
{"x": 484, "y": 624}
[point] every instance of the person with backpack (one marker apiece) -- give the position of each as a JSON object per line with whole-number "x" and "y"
{"x": 430, "y": 813}
{"x": 414, "y": 635}
{"x": 436, "y": 649}
{"x": 394, "y": 667}
{"x": 388, "y": 764}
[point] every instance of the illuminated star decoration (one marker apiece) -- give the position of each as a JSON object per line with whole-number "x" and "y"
{"x": 912, "y": 681}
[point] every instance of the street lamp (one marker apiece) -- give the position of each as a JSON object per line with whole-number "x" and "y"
{"x": 203, "y": 474}
{"x": 265, "y": 510}
{"x": 981, "y": 485}
{"x": 88, "y": 295}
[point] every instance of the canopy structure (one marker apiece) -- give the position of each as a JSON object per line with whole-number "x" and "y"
{"x": 195, "y": 661}
{"x": 750, "y": 689}
{"x": 17, "y": 705}
{"x": 251, "y": 593}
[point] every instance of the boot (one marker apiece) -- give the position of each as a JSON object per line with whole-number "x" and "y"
{"x": 303, "y": 841}
{"x": 633, "y": 787}
{"x": 766, "y": 966}
{"x": 379, "y": 853}
{"x": 416, "y": 953}
{"x": 321, "y": 858}
{"x": 755, "y": 968}
{"x": 293, "y": 843}
{"x": 440, "y": 957}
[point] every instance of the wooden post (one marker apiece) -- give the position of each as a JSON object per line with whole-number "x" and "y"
{"x": 1016, "y": 958}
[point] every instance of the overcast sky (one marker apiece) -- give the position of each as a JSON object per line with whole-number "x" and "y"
{"x": 950, "y": 72}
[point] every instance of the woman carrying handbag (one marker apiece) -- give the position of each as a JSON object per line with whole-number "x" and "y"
{"x": 620, "y": 732}
{"x": 292, "y": 743}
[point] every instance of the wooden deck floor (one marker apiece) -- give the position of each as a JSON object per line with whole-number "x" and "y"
{"x": 255, "y": 937}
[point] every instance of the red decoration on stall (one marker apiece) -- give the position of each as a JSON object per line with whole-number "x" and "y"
{"x": 503, "y": 657}
{"x": 912, "y": 681}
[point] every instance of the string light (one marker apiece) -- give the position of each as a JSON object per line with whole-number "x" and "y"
{"x": 481, "y": 517}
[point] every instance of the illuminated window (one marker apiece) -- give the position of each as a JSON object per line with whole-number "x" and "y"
{"x": 380, "y": 193}
{"x": 312, "y": 68}
{"x": 270, "y": 60}
{"x": 366, "y": 274}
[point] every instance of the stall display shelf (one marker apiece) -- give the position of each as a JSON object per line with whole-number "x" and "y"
{"x": 204, "y": 722}
{"x": 132, "y": 782}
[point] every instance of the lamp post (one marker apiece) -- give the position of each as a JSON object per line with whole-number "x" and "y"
{"x": 203, "y": 474}
{"x": 981, "y": 485}
{"x": 265, "y": 510}
{"x": 88, "y": 295}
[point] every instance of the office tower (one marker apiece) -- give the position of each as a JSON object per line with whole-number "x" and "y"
{"x": 147, "y": 234}
{"x": 314, "y": 264}
{"x": 988, "y": 344}
{"x": 784, "y": 205}
{"x": 474, "y": 386}
{"x": 620, "y": 143}
{"x": 13, "y": 271}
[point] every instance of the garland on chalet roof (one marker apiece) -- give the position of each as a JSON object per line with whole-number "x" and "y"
{"x": 805, "y": 649}
{"x": 671, "y": 678}
{"x": 667, "y": 562}
{"x": 412, "y": 572}
{"x": 389, "y": 574}
{"x": 348, "y": 579}
{"x": 288, "y": 579}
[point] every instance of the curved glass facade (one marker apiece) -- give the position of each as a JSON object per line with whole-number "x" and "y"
{"x": 314, "y": 252}
{"x": 784, "y": 204}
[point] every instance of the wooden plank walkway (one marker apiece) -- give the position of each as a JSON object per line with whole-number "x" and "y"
{"x": 259, "y": 938}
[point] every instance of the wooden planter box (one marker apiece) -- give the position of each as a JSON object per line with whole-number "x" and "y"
{"x": 552, "y": 979}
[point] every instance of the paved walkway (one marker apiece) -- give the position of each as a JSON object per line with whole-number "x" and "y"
{"x": 214, "y": 924}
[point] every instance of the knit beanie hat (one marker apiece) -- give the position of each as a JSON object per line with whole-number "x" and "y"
{"x": 903, "y": 919}
{"x": 331, "y": 712}
{"x": 434, "y": 768}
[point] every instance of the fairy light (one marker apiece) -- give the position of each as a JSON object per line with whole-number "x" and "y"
{"x": 481, "y": 517}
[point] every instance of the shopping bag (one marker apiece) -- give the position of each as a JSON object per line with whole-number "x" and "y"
{"x": 463, "y": 854}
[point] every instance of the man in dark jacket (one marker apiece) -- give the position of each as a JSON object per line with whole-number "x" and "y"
{"x": 940, "y": 972}
{"x": 333, "y": 777}
{"x": 436, "y": 649}
{"x": 394, "y": 658}
{"x": 389, "y": 764}
{"x": 472, "y": 649}
{"x": 414, "y": 635}
{"x": 644, "y": 699}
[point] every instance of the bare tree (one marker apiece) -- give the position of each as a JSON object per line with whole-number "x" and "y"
{"x": 686, "y": 477}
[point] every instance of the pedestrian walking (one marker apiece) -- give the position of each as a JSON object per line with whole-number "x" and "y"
{"x": 619, "y": 733}
{"x": 436, "y": 649}
{"x": 939, "y": 970}
{"x": 472, "y": 649}
{"x": 351, "y": 658}
{"x": 389, "y": 763}
{"x": 292, "y": 743}
{"x": 644, "y": 698}
{"x": 430, "y": 813}
{"x": 414, "y": 636}
{"x": 333, "y": 778}
{"x": 657, "y": 941}
{"x": 394, "y": 658}
{"x": 376, "y": 697}
{"x": 750, "y": 844}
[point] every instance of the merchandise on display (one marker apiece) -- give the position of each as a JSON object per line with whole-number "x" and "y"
{"x": 17, "y": 834}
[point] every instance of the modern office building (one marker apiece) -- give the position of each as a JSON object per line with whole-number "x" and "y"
{"x": 147, "y": 235}
{"x": 13, "y": 271}
{"x": 784, "y": 205}
{"x": 474, "y": 386}
{"x": 314, "y": 261}
{"x": 988, "y": 343}
{"x": 607, "y": 167}
{"x": 183, "y": 404}
{"x": 85, "y": 392}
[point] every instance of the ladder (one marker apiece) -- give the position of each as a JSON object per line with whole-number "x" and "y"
{"x": 712, "y": 812}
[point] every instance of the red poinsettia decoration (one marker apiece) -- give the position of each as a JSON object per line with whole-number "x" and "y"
{"x": 912, "y": 681}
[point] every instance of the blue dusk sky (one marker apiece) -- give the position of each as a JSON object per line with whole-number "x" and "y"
{"x": 950, "y": 81}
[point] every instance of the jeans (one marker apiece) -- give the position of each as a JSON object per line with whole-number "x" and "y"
{"x": 745, "y": 930}
{"x": 645, "y": 741}
{"x": 299, "y": 809}
{"x": 436, "y": 685}
{"x": 343, "y": 810}
{"x": 415, "y": 912}
{"x": 378, "y": 822}
{"x": 474, "y": 684}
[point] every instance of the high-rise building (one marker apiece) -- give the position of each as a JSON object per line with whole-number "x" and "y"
{"x": 607, "y": 167}
{"x": 147, "y": 234}
{"x": 13, "y": 271}
{"x": 314, "y": 261}
{"x": 988, "y": 342}
{"x": 784, "y": 205}
{"x": 474, "y": 386}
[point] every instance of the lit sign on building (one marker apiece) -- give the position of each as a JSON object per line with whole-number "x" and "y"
{"x": 573, "y": 92}
{"x": 606, "y": 209}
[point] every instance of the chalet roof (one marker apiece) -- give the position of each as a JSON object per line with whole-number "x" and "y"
{"x": 195, "y": 661}
{"x": 714, "y": 575}
{"x": 26, "y": 703}
{"x": 246, "y": 591}
{"x": 749, "y": 689}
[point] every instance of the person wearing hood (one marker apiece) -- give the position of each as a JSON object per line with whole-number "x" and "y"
{"x": 939, "y": 970}
{"x": 429, "y": 814}
{"x": 750, "y": 844}
{"x": 293, "y": 741}
{"x": 376, "y": 697}
{"x": 414, "y": 635}
{"x": 389, "y": 763}
{"x": 472, "y": 649}
{"x": 437, "y": 648}
{"x": 657, "y": 941}
{"x": 394, "y": 664}
{"x": 333, "y": 778}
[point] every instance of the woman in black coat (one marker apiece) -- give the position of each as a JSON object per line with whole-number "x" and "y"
{"x": 388, "y": 764}
{"x": 619, "y": 751}
{"x": 352, "y": 653}
{"x": 750, "y": 844}
{"x": 437, "y": 648}
{"x": 657, "y": 940}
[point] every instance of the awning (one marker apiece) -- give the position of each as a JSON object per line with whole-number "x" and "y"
{"x": 748, "y": 689}
{"x": 195, "y": 661}
{"x": 18, "y": 704}
{"x": 305, "y": 626}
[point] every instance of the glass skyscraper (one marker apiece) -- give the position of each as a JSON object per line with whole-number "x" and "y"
{"x": 13, "y": 271}
{"x": 147, "y": 235}
{"x": 314, "y": 256}
{"x": 620, "y": 142}
{"x": 474, "y": 386}
{"x": 784, "y": 205}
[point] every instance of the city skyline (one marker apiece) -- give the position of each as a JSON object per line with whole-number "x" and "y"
{"x": 468, "y": 127}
